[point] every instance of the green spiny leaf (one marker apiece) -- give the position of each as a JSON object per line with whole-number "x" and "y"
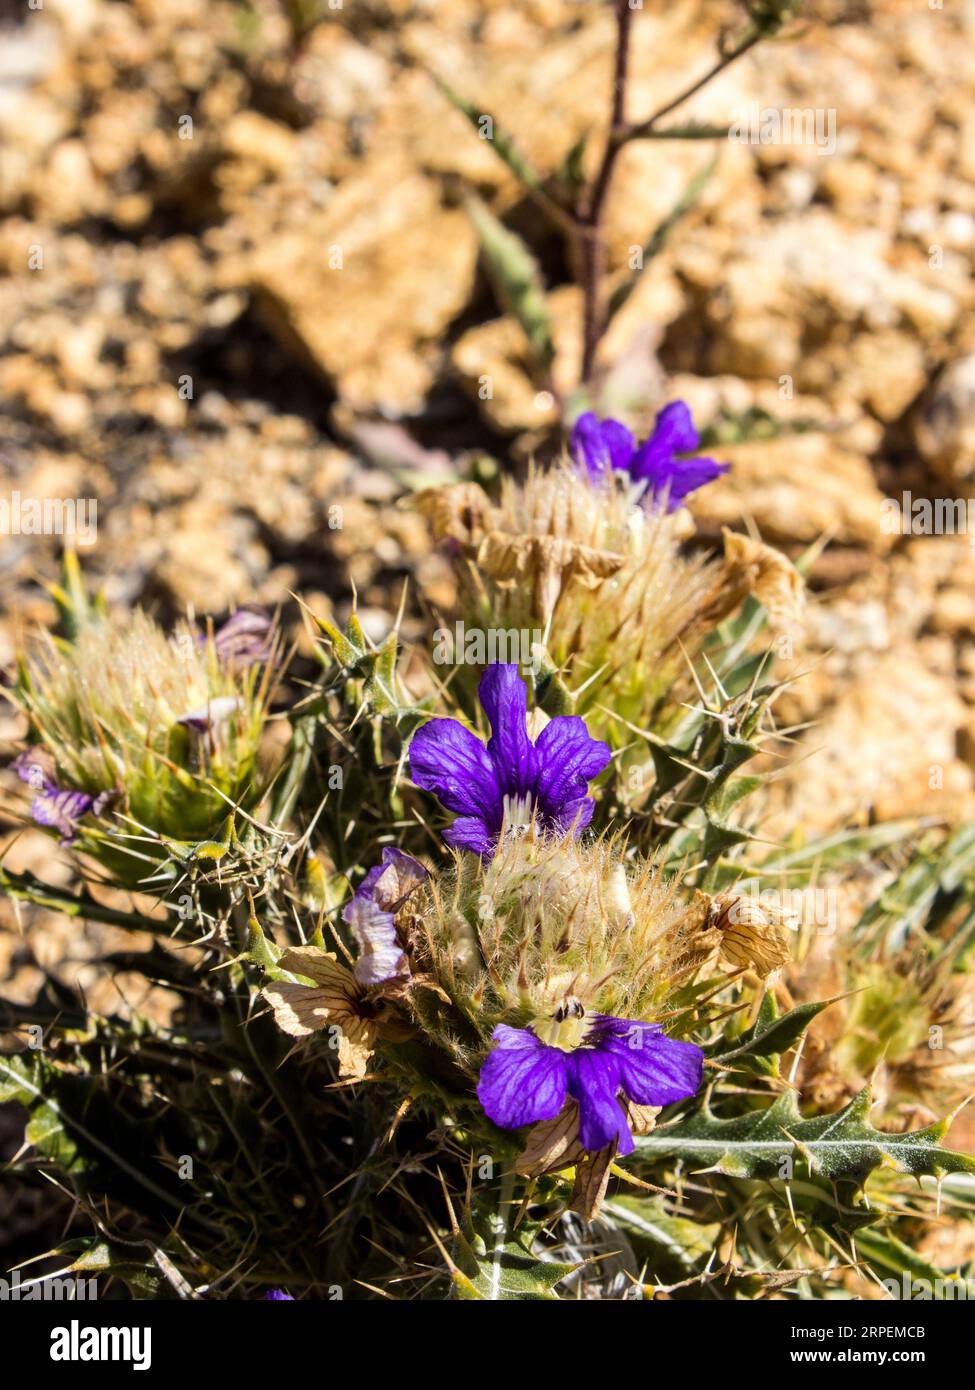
{"x": 840, "y": 1146}
{"x": 492, "y": 1260}
{"x": 760, "y": 1046}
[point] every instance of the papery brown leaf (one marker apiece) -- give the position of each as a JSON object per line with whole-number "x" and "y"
{"x": 457, "y": 512}
{"x": 642, "y": 1118}
{"x": 552, "y": 1144}
{"x": 549, "y": 562}
{"x": 335, "y": 1000}
{"x": 770, "y": 576}
{"x": 592, "y": 1177}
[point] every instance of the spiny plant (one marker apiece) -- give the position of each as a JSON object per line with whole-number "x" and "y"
{"x": 545, "y": 992}
{"x": 482, "y": 986}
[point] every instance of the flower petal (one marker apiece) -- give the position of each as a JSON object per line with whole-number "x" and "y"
{"x": 653, "y": 1069}
{"x": 447, "y": 759}
{"x": 686, "y": 476}
{"x": 521, "y": 1080}
{"x": 568, "y": 757}
{"x": 61, "y": 810}
{"x": 471, "y": 832}
{"x": 594, "y": 1081}
{"x": 619, "y": 442}
{"x": 381, "y": 956}
{"x": 599, "y": 445}
{"x": 36, "y": 767}
{"x": 655, "y": 462}
{"x": 674, "y": 431}
{"x": 391, "y": 882}
{"x": 213, "y": 714}
{"x": 504, "y": 696}
{"x": 245, "y": 638}
{"x": 574, "y": 816}
{"x": 587, "y": 447}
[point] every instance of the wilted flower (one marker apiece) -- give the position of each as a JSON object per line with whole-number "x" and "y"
{"x": 333, "y": 1000}
{"x": 769, "y": 576}
{"x": 512, "y": 781}
{"x": 750, "y": 932}
{"x": 245, "y": 639}
{"x": 602, "y": 446}
{"x": 593, "y": 1060}
{"x": 54, "y": 807}
{"x": 372, "y": 916}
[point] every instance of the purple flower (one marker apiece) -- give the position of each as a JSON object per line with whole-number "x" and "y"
{"x": 372, "y": 916}
{"x": 512, "y": 778}
{"x": 277, "y": 1296}
{"x": 54, "y": 807}
{"x": 600, "y": 446}
{"x": 244, "y": 639}
{"x": 523, "y": 1080}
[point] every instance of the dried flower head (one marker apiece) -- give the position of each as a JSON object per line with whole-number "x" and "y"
{"x": 620, "y": 606}
{"x": 164, "y": 725}
{"x": 751, "y": 932}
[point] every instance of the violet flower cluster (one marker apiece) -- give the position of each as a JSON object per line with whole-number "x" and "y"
{"x": 523, "y": 1080}
{"x": 660, "y": 464}
{"x": 511, "y": 779}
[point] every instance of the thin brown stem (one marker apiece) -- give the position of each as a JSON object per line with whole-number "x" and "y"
{"x": 591, "y": 230}
{"x": 753, "y": 35}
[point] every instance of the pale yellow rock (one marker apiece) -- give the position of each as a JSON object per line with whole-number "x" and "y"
{"x": 796, "y": 488}
{"x": 368, "y": 284}
{"x": 268, "y": 143}
{"x": 887, "y": 749}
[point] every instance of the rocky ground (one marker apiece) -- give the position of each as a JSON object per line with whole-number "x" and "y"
{"x": 240, "y": 297}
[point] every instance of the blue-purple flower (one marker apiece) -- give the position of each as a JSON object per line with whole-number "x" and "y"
{"x": 602, "y": 446}
{"x": 512, "y": 779}
{"x": 277, "y": 1296}
{"x": 372, "y": 916}
{"x": 524, "y": 1080}
{"x": 55, "y": 807}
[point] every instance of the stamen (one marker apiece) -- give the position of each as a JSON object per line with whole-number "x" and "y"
{"x": 517, "y": 814}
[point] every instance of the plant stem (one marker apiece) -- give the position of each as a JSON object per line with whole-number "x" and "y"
{"x": 591, "y": 230}
{"x": 752, "y": 35}
{"x": 27, "y": 888}
{"x": 590, "y": 215}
